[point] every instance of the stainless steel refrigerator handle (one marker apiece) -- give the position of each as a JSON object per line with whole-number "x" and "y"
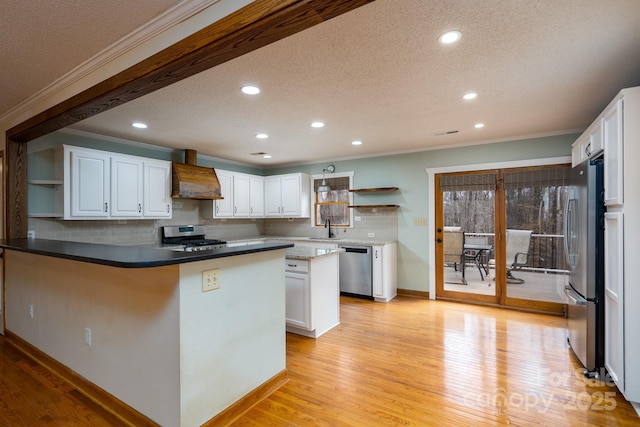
{"x": 567, "y": 228}
{"x": 570, "y": 294}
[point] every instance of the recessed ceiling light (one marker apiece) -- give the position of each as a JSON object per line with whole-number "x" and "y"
{"x": 266, "y": 156}
{"x": 250, "y": 90}
{"x": 317, "y": 125}
{"x": 139, "y": 125}
{"x": 357, "y": 142}
{"x": 262, "y": 136}
{"x": 478, "y": 125}
{"x": 470, "y": 95}
{"x": 450, "y": 37}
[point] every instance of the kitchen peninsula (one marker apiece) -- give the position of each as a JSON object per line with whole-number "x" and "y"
{"x": 136, "y": 322}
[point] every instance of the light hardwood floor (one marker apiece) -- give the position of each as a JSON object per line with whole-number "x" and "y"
{"x": 415, "y": 362}
{"x": 411, "y": 362}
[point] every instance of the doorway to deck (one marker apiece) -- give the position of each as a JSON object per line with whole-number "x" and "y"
{"x": 499, "y": 236}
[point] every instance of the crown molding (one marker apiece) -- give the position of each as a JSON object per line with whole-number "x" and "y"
{"x": 170, "y": 18}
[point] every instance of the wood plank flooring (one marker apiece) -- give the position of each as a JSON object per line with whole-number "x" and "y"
{"x": 415, "y": 362}
{"x": 410, "y": 362}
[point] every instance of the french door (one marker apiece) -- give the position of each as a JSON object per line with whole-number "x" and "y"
{"x": 499, "y": 237}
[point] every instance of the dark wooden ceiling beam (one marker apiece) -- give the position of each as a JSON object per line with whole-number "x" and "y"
{"x": 254, "y": 26}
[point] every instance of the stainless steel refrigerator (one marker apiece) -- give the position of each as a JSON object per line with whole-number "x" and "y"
{"x": 584, "y": 249}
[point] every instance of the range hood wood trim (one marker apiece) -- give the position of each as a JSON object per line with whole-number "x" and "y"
{"x": 194, "y": 182}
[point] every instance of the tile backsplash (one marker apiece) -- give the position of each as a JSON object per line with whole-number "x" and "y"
{"x": 383, "y": 222}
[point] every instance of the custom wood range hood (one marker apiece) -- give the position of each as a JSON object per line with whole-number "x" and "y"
{"x": 190, "y": 181}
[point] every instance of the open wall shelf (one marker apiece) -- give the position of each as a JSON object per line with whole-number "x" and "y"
{"x": 372, "y": 190}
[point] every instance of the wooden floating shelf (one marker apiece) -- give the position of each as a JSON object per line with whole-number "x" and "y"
{"x": 45, "y": 215}
{"x": 45, "y": 181}
{"x": 372, "y": 190}
{"x": 373, "y": 206}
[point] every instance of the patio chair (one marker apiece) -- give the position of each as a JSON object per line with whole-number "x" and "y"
{"x": 518, "y": 243}
{"x": 453, "y": 248}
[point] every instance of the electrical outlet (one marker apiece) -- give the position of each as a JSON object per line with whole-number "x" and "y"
{"x": 30, "y": 311}
{"x": 210, "y": 280}
{"x": 31, "y": 234}
{"x": 357, "y": 218}
{"x": 372, "y": 234}
{"x": 87, "y": 336}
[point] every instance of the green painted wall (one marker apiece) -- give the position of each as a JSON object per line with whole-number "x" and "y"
{"x": 408, "y": 172}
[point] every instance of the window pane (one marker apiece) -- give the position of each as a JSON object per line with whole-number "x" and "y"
{"x": 338, "y": 214}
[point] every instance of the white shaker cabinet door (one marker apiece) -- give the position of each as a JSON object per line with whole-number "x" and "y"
{"x": 126, "y": 187}
{"x": 157, "y": 190}
{"x": 272, "y": 196}
{"x": 89, "y": 184}
{"x": 613, "y": 152}
{"x": 297, "y": 300}
{"x": 241, "y": 195}
{"x": 291, "y": 195}
{"x": 224, "y": 207}
{"x": 614, "y": 298}
{"x": 256, "y": 196}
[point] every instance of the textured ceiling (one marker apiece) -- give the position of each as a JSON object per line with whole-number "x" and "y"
{"x": 379, "y": 75}
{"x": 42, "y": 40}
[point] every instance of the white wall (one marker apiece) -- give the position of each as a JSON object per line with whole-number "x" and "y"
{"x": 159, "y": 344}
{"x": 233, "y": 339}
{"x": 133, "y": 315}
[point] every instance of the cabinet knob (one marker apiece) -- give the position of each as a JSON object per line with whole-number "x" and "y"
{"x": 439, "y": 230}
{"x": 439, "y": 240}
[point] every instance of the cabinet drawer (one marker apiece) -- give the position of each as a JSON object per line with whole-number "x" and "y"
{"x": 297, "y": 265}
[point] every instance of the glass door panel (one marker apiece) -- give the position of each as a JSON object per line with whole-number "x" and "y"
{"x": 536, "y": 268}
{"x": 468, "y": 210}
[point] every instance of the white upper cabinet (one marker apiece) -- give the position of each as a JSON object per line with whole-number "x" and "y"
{"x": 242, "y": 196}
{"x": 287, "y": 195}
{"x": 102, "y": 185}
{"x": 86, "y": 184}
{"x": 126, "y": 187}
{"x": 256, "y": 196}
{"x": 613, "y": 146}
{"x": 222, "y": 208}
{"x": 157, "y": 189}
{"x": 241, "y": 207}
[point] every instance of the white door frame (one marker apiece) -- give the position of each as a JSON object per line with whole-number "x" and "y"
{"x": 431, "y": 184}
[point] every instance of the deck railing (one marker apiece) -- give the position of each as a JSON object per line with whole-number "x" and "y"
{"x": 546, "y": 252}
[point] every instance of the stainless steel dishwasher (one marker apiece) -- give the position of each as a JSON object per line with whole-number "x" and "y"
{"x": 355, "y": 271}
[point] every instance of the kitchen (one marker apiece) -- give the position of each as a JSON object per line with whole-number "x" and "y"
{"x": 408, "y": 175}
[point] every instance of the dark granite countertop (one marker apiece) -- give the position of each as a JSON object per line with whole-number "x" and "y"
{"x": 127, "y": 256}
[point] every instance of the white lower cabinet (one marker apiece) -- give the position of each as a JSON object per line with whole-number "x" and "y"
{"x": 312, "y": 295}
{"x": 297, "y": 305}
{"x": 384, "y": 274}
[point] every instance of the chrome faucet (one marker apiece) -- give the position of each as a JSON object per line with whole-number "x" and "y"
{"x": 327, "y": 224}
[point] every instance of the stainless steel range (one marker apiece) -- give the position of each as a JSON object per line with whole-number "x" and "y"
{"x": 188, "y": 238}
